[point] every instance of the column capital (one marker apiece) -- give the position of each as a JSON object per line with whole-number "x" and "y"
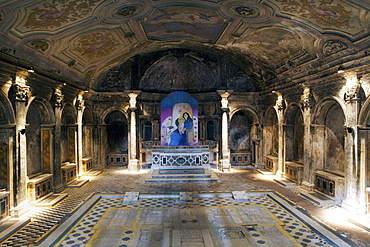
{"x": 58, "y": 97}
{"x": 133, "y": 95}
{"x": 224, "y": 95}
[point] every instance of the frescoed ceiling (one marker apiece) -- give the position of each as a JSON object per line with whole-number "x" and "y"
{"x": 85, "y": 38}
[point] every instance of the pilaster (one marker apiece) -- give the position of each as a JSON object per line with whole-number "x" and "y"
{"x": 58, "y": 99}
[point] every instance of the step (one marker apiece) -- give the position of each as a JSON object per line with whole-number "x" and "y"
{"x": 318, "y": 198}
{"x": 51, "y": 200}
{"x": 156, "y": 174}
{"x": 265, "y": 171}
{"x": 212, "y": 178}
{"x": 77, "y": 183}
{"x": 285, "y": 182}
{"x": 181, "y": 171}
{"x": 92, "y": 173}
{"x": 242, "y": 166}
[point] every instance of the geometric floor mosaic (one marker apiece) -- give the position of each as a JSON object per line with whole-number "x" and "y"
{"x": 208, "y": 220}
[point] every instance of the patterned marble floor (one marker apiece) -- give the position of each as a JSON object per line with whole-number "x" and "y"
{"x": 207, "y": 221}
{"x": 116, "y": 181}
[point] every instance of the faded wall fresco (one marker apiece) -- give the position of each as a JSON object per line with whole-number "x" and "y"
{"x": 33, "y": 136}
{"x": 240, "y": 132}
{"x": 335, "y": 156}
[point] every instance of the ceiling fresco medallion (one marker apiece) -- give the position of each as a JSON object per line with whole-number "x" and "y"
{"x": 97, "y": 44}
{"x": 334, "y": 14}
{"x": 184, "y": 23}
{"x": 52, "y": 15}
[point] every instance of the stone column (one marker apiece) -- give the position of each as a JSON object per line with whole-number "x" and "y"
{"x": 225, "y": 150}
{"x": 279, "y": 106}
{"x": 20, "y": 99}
{"x": 133, "y": 164}
{"x": 353, "y": 176}
{"x": 58, "y": 98}
{"x": 364, "y": 141}
{"x": 80, "y": 103}
{"x": 308, "y": 170}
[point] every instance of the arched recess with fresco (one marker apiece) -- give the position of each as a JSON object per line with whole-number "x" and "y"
{"x": 242, "y": 132}
{"x": 117, "y": 138}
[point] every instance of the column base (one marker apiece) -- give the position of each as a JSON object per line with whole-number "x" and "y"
{"x": 279, "y": 174}
{"x": 133, "y": 165}
{"x": 225, "y": 165}
{"x": 353, "y": 207}
{"x": 59, "y": 188}
{"x": 21, "y": 209}
{"x": 307, "y": 186}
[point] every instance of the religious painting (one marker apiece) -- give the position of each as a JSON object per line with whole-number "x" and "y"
{"x": 179, "y": 119}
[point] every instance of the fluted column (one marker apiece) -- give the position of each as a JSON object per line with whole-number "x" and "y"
{"x": 279, "y": 106}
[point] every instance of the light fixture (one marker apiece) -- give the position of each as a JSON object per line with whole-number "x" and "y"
{"x": 30, "y": 70}
{"x": 340, "y": 69}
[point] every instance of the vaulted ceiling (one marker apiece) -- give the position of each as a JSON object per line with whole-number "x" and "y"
{"x": 84, "y": 39}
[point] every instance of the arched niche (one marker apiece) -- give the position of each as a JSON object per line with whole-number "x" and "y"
{"x": 87, "y": 132}
{"x": 117, "y": 133}
{"x": 6, "y": 143}
{"x": 39, "y": 137}
{"x": 331, "y": 116}
{"x": 294, "y": 134}
{"x": 240, "y": 132}
{"x": 271, "y": 132}
{"x": 68, "y": 134}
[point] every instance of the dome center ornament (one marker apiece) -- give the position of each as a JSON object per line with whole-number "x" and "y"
{"x": 246, "y": 11}
{"x": 126, "y": 11}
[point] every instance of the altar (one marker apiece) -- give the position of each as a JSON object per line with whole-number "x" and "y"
{"x": 181, "y": 157}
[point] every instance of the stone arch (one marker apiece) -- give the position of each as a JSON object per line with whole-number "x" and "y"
{"x": 294, "y": 133}
{"x": 7, "y": 115}
{"x": 39, "y": 136}
{"x": 329, "y": 116}
{"x": 364, "y": 135}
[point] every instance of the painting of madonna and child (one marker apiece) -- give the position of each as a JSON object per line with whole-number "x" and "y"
{"x": 179, "y": 119}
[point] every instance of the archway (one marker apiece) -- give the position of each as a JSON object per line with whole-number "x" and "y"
{"x": 117, "y": 138}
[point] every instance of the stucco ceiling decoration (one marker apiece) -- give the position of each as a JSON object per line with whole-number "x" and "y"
{"x": 184, "y": 23}
{"x": 89, "y": 37}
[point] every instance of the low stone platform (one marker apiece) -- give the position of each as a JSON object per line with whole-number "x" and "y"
{"x": 265, "y": 171}
{"x": 285, "y": 182}
{"x": 77, "y": 183}
{"x": 51, "y": 200}
{"x": 181, "y": 176}
{"x": 318, "y": 198}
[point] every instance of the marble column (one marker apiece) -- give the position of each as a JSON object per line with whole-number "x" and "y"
{"x": 308, "y": 175}
{"x": 353, "y": 176}
{"x": 279, "y": 106}
{"x": 20, "y": 100}
{"x": 80, "y": 109}
{"x": 133, "y": 164}
{"x": 58, "y": 98}
{"x": 225, "y": 150}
